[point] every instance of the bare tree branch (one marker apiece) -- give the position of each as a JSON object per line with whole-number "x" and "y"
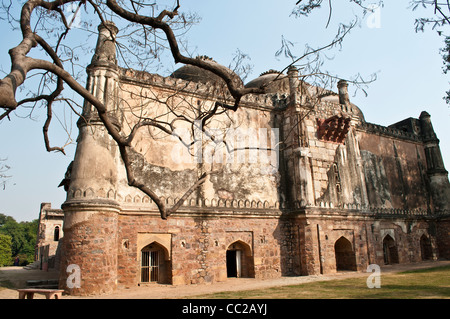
{"x": 60, "y": 71}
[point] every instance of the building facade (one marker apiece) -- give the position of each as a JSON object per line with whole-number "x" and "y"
{"x": 50, "y": 231}
{"x": 303, "y": 185}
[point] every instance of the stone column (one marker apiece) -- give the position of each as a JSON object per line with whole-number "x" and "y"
{"x": 302, "y": 185}
{"x": 89, "y": 248}
{"x": 293, "y": 86}
{"x": 343, "y": 92}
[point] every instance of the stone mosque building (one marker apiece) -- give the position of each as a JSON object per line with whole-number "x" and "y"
{"x": 322, "y": 191}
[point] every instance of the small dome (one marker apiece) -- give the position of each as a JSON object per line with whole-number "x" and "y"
{"x": 273, "y": 79}
{"x": 334, "y": 98}
{"x": 193, "y": 73}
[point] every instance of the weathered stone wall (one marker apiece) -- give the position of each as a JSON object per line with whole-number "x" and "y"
{"x": 443, "y": 237}
{"x": 395, "y": 172}
{"x": 320, "y": 171}
{"x": 198, "y": 245}
{"x": 90, "y": 243}
{"x": 274, "y": 244}
{"x": 365, "y": 234}
{"x": 49, "y": 219}
{"x": 245, "y": 173}
{"x": 340, "y": 194}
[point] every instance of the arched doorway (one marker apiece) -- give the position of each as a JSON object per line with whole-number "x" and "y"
{"x": 345, "y": 256}
{"x": 425, "y": 248}
{"x": 155, "y": 266}
{"x": 240, "y": 260}
{"x": 390, "y": 251}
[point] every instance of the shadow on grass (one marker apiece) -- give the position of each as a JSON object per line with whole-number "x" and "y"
{"x": 415, "y": 291}
{"x": 417, "y": 284}
{"x": 6, "y": 284}
{"x": 427, "y": 270}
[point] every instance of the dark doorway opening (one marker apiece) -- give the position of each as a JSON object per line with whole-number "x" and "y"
{"x": 345, "y": 256}
{"x": 239, "y": 260}
{"x": 155, "y": 264}
{"x": 425, "y": 248}
{"x": 231, "y": 263}
{"x": 390, "y": 251}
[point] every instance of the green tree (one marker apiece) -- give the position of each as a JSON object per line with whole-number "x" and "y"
{"x": 5, "y": 250}
{"x": 12, "y": 228}
{"x": 23, "y": 237}
{"x": 29, "y": 231}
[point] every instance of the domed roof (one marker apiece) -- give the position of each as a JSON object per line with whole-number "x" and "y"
{"x": 274, "y": 80}
{"x": 334, "y": 98}
{"x": 194, "y": 73}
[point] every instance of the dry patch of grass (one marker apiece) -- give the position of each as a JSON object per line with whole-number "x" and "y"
{"x": 6, "y": 284}
{"x": 417, "y": 284}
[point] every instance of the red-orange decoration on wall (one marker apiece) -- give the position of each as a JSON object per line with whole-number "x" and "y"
{"x": 333, "y": 129}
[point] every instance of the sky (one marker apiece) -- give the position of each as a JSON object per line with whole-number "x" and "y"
{"x": 408, "y": 67}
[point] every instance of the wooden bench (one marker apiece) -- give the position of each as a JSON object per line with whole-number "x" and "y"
{"x": 49, "y": 293}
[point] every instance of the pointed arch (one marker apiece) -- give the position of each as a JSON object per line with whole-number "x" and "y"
{"x": 56, "y": 233}
{"x": 239, "y": 260}
{"x": 153, "y": 253}
{"x": 390, "y": 251}
{"x": 344, "y": 254}
{"x": 426, "y": 249}
{"x": 155, "y": 264}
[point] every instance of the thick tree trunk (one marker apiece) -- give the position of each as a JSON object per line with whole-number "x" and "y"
{"x": 7, "y": 98}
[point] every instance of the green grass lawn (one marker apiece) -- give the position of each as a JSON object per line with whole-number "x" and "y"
{"x": 418, "y": 284}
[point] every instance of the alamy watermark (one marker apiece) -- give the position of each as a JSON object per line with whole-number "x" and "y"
{"x": 225, "y": 146}
{"x": 374, "y": 280}
{"x": 373, "y": 20}
{"x": 74, "y": 14}
{"x": 74, "y": 279}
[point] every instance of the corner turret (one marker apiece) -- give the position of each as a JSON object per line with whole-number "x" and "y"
{"x": 91, "y": 211}
{"x": 103, "y": 77}
{"x": 343, "y": 92}
{"x": 437, "y": 174}
{"x": 105, "y": 51}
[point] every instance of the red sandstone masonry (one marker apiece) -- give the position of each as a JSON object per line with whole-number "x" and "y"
{"x": 90, "y": 242}
{"x": 277, "y": 247}
{"x": 198, "y": 248}
{"x": 323, "y": 207}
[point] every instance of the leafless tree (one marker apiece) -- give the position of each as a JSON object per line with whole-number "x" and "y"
{"x": 435, "y": 15}
{"x": 440, "y": 13}
{"x": 439, "y": 20}
{"x": 149, "y": 30}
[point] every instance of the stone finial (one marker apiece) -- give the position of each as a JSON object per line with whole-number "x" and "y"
{"x": 426, "y": 126}
{"x": 292, "y": 72}
{"x": 105, "y": 51}
{"x": 293, "y": 85}
{"x": 424, "y": 114}
{"x": 343, "y": 92}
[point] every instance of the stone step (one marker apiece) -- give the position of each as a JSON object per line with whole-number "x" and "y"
{"x": 34, "y": 265}
{"x": 44, "y": 284}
